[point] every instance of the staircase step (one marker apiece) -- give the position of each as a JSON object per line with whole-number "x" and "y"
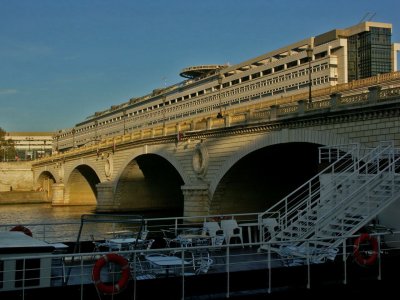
{"x": 293, "y": 232}
{"x": 321, "y": 243}
{"x": 351, "y": 219}
{"x": 290, "y": 234}
{"x": 331, "y": 232}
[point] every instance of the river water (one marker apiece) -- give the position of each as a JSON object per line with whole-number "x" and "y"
{"x": 31, "y": 214}
{"x": 40, "y": 213}
{"x": 67, "y": 220}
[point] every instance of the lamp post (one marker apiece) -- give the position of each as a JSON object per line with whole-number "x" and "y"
{"x": 309, "y": 51}
{"x": 96, "y": 123}
{"x": 57, "y": 138}
{"x": 124, "y": 116}
{"x": 73, "y": 137}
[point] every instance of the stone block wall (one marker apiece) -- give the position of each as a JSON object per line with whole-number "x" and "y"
{"x": 16, "y": 176}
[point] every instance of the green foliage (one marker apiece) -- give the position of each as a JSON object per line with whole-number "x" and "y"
{"x": 2, "y": 134}
{"x": 7, "y": 148}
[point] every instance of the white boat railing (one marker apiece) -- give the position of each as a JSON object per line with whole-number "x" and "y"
{"x": 68, "y": 231}
{"x": 77, "y": 268}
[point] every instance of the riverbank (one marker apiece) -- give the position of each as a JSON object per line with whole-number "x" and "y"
{"x": 23, "y": 197}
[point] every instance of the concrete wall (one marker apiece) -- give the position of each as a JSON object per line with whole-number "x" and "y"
{"x": 16, "y": 176}
{"x": 16, "y": 184}
{"x": 22, "y": 197}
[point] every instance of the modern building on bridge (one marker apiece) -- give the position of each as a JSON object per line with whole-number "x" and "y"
{"x": 369, "y": 49}
{"x": 335, "y": 57}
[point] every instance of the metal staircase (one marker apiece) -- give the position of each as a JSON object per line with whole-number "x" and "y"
{"x": 315, "y": 218}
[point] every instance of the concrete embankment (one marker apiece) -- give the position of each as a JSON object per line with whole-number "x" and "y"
{"x": 22, "y": 197}
{"x": 16, "y": 184}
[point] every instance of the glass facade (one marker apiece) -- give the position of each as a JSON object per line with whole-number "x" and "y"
{"x": 369, "y": 53}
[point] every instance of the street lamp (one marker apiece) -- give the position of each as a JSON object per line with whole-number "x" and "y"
{"x": 73, "y": 137}
{"x": 96, "y": 124}
{"x": 124, "y": 116}
{"x": 309, "y": 51}
{"x": 57, "y": 138}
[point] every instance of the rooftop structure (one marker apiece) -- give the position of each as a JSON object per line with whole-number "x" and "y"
{"x": 201, "y": 71}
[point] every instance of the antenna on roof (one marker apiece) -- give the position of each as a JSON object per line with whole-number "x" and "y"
{"x": 373, "y": 15}
{"x": 368, "y": 16}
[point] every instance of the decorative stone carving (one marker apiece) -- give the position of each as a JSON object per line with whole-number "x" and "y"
{"x": 200, "y": 160}
{"x": 108, "y": 166}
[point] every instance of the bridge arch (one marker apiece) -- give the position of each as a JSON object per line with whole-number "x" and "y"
{"x": 150, "y": 182}
{"x": 80, "y": 185}
{"x": 279, "y": 137}
{"x": 253, "y": 156}
{"x": 45, "y": 182}
{"x": 167, "y": 156}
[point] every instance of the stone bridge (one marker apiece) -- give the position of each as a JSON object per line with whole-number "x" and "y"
{"x": 243, "y": 162}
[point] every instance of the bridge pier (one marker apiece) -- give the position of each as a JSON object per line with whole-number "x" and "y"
{"x": 105, "y": 197}
{"x": 196, "y": 200}
{"x": 58, "y": 194}
{"x": 373, "y": 95}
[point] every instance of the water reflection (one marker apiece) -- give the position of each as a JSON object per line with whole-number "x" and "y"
{"x": 39, "y": 213}
{"x": 30, "y": 214}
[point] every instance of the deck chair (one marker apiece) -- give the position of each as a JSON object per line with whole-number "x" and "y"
{"x": 212, "y": 229}
{"x": 231, "y": 230}
{"x": 200, "y": 252}
{"x": 99, "y": 246}
{"x": 217, "y": 252}
{"x": 204, "y": 265}
{"x": 270, "y": 226}
{"x": 143, "y": 245}
{"x": 144, "y": 234}
{"x": 168, "y": 237}
{"x": 201, "y": 266}
{"x": 141, "y": 270}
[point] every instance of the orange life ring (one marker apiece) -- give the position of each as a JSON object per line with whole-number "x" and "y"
{"x": 362, "y": 259}
{"x": 125, "y": 272}
{"x": 23, "y": 229}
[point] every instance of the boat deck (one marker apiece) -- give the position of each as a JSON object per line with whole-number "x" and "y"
{"x": 248, "y": 277}
{"x": 236, "y": 271}
{"x": 245, "y": 273}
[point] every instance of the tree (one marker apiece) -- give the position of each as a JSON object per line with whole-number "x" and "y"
{"x": 7, "y": 147}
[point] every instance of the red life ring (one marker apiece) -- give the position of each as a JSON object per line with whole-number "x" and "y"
{"x": 360, "y": 258}
{"x": 220, "y": 218}
{"x": 125, "y": 272}
{"x": 22, "y": 229}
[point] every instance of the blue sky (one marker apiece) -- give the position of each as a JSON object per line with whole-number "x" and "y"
{"x": 63, "y": 60}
